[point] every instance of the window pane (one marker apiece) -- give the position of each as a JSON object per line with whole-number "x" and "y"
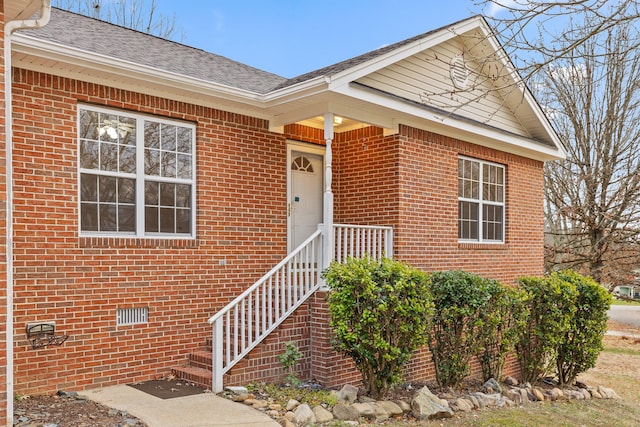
{"x": 108, "y": 218}
{"x": 151, "y": 193}
{"x": 89, "y": 157}
{"x": 109, "y": 157}
{"x": 152, "y": 162}
{"x": 126, "y": 218}
{"x": 151, "y": 222}
{"x": 168, "y": 164}
{"x": 167, "y": 220}
{"x": 88, "y": 124}
{"x": 168, "y": 138}
{"x": 88, "y": 188}
{"x": 127, "y": 191}
{"x": 468, "y": 220}
{"x": 492, "y": 219}
{"x": 127, "y": 130}
{"x": 184, "y": 166}
{"x": 185, "y": 140}
{"x": 183, "y": 196}
{"x": 127, "y": 159}
{"x": 167, "y": 194}
{"x": 151, "y": 134}
{"x": 107, "y": 191}
{"x": 89, "y": 217}
{"x": 183, "y": 221}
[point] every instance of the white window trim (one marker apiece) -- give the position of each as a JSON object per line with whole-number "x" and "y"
{"x": 139, "y": 176}
{"x": 483, "y": 202}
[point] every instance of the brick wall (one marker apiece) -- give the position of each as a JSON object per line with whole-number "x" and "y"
{"x": 408, "y": 181}
{"x": 79, "y": 282}
{"x": 3, "y": 233}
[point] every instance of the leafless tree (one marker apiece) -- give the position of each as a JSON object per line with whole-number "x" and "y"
{"x": 535, "y": 32}
{"x": 138, "y": 15}
{"x": 592, "y": 93}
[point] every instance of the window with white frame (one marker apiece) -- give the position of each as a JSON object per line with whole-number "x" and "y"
{"x": 480, "y": 201}
{"x": 136, "y": 174}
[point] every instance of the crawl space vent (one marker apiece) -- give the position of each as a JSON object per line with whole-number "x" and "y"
{"x": 132, "y": 316}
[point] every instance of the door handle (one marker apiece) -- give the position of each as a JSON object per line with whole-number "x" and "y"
{"x": 288, "y": 209}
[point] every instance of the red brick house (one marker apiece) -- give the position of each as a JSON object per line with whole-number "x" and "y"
{"x": 153, "y": 184}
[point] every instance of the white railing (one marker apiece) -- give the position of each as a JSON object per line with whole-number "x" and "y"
{"x": 249, "y": 318}
{"x": 360, "y": 240}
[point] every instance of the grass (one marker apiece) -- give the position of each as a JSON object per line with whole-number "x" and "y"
{"x": 624, "y": 302}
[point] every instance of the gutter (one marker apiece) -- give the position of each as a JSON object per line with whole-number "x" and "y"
{"x": 10, "y": 28}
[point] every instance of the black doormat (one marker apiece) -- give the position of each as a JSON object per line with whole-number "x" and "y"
{"x": 167, "y": 389}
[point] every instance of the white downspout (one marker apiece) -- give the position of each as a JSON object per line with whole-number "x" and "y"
{"x": 9, "y": 28}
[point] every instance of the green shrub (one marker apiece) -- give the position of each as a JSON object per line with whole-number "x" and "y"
{"x": 551, "y": 303}
{"x": 501, "y": 324}
{"x": 460, "y": 300}
{"x": 380, "y": 313}
{"x": 582, "y": 342}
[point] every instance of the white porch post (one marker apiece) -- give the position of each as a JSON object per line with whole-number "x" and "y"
{"x": 327, "y": 249}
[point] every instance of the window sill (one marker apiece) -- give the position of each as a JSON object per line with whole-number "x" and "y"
{"x": 483, "y": 246}
{"x": 134, "y": 242}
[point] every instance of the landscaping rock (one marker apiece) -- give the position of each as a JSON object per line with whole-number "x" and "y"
{"x": 237, "y": 389}
{"x": 406, "y": 408}
{"x": 391, "y": 408}
{"x": 524, "y": 396}
{"x": 586, "y": 393}
{"x": 286, "y": 423}
{"x": 537, "y": 395}
{"x": 292, "y": 404}
{"x": 348, "y": 394}
{"x": 345, "y": 412}
{"x": 462, "y": 405}
{"x": 304, "y": 415}
{"x": 492, "y": 386}
{"x": 427, "y": 406}
{"x": 513, "y": 395}
{"x": 240, "y": 397}
{"x": 607, "y": 393}
{"x": 322, "y": 415}
{"x": 365, "y": 410}
{"x": 510, "y": 381}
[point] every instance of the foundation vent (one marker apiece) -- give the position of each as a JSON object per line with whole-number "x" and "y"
{"x": 132, "y": 316}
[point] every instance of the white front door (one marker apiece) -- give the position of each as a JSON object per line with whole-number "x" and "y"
{"x": 306, "y": 175}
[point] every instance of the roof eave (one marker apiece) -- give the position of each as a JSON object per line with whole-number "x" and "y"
{"x": 137, "y": 72}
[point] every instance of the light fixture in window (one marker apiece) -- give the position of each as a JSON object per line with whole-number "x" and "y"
{"x": 337, "y": 120}
{"x": 114, "y": 128}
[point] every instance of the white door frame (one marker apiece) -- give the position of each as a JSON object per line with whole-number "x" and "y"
{"x": 302, "y": 147}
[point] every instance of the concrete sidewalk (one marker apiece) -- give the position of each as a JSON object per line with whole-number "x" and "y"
{"x": 199, "y": 410}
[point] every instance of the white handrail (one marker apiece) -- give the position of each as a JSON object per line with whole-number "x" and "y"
{"x": 248, "y": 319}
{"x": 243, "y": 323}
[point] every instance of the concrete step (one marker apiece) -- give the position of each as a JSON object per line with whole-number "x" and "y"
{"x": 199, "y": 376}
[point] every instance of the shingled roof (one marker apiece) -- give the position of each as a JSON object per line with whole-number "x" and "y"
{"x": 95, "y": 36}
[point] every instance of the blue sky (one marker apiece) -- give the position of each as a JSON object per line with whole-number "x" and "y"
{"x": 291, "y": 37}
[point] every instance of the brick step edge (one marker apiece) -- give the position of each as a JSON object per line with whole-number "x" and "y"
{"x": 201, "y": 359}
{"x": 200, "y": 377}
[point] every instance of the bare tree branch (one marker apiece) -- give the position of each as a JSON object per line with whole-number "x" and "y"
{"x": 138, "y": 15}
{"x": 592, "y": 199}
